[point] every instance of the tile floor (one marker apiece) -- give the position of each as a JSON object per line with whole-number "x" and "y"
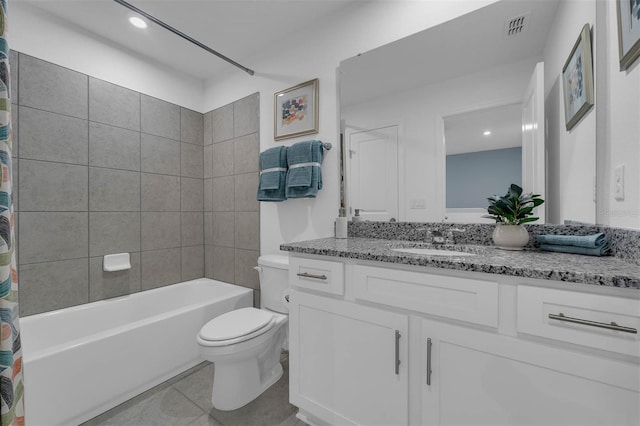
{"x": 185, "y": 400}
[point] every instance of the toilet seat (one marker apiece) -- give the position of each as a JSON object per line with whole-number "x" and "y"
{"x": 236, "y": 326}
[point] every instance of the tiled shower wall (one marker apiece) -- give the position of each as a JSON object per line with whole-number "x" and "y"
{"x": 103, "y": 169}
{"x": 232, "y": 214}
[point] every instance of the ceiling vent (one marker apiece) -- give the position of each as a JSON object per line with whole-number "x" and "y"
{"x": 516, "y": 25}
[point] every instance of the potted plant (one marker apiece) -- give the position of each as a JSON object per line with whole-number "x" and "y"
{"x": 510, "y": 212}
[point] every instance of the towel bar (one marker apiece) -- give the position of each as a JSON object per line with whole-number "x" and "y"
{"x": 327, "y": 145}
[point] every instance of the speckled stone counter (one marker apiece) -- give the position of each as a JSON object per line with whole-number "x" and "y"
{"x": 605, "y": 271}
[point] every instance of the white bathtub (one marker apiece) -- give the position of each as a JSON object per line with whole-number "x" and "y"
{"x": 84, "y": 360}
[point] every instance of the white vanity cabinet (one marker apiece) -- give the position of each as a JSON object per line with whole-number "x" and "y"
{"x": 474, "y": 349}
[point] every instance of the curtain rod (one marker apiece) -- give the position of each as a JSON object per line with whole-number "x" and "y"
{"x": 183, "y": 35}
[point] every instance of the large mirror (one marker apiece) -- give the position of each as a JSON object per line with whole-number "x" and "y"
{"x": 415, "y": 117}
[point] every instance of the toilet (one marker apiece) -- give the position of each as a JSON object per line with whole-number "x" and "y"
{"x": 245, "y": 344}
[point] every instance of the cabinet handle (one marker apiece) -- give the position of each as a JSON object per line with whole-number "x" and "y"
{"x": 611, "y": 326}
{"x": 397, "y": 361}
{"x": 429, "y": 361}
{"x": 307, "y": 275}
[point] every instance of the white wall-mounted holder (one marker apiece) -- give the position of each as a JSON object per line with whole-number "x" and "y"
{"x": 116, "y": 262}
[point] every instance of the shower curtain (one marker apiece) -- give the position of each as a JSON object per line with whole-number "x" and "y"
{"x": 11, "y": 386}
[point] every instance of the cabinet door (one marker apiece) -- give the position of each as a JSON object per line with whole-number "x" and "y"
{"x": 482, "y": 378}
{"x": 348, "y": 363}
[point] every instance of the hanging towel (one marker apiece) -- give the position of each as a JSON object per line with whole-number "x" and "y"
{"x": 593, "y": 245}
{"x": 304, "y": 177}
{"x": 589, "y": 241}
{"x": 273, "y": 172}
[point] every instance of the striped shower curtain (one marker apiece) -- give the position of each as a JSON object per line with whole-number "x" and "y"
{"x": 11, "y": 386}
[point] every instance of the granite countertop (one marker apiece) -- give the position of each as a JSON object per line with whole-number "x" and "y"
{"x": 605, "y": 271}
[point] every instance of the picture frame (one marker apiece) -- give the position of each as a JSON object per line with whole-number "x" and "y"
{"x": 296, "y": 110}
{"x": 628, "y": 32}
{"x": 577, "y": 79}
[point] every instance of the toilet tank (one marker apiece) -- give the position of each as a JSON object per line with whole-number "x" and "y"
{"x": 274, "y": 280}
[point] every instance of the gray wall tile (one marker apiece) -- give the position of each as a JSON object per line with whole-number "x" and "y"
{"x": 222, "y": 123}
{"x": 192, "y": 262}
{"x": 223, "y": 229}
{"x": 159, "y": 118}
{"x": 224, "y": 264}
{"x": 113, "y": 190}
{"x": 160, "y": 155}
{"x": 246, "y": 150}
{"x": 113, "y": 104}
{"x": 192, "y": 228}
{"x": 15, "y": 71}
{"x": 208, "y": 128}
{"x": 246, "y": 186}
{"x": 53, "y": 285}
{"x": 222, "y": 159}
{"x": 51, "y": 236}
{"x": 15, "y": 189}
{"x": 50, "y": 87}
{"x": 192, "y": 193}
{"x": 246, "y": 113}
{"x": 208, "y": 161}
{"x": 160, "y": 230}
{"x": 191, "y": 126}
{"x": 15, "y": 127}
{"x": 160, "y": 192}
{"x": 208, "y": 261}
{"x": 113, "y": 147}
{"x": 208, "y": 228}
{"x": 49, "y": 186}
{"x": 160, "y": 268}
{"x": 191, "y": 161}
{"x": 208, "y": 195}
{"x": 245, "y": 275}
{"x": 223, "y": 189}
{"x": 114, "y": 232}
{"x": 247, "y": 234}
{"x": 103, "y": 285}
{"x": 52, "y": 137}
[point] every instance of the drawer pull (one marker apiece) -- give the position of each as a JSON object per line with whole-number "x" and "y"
{"x": 610, "y": 326}
{"x": 316, "y": 277}
{"x": 397, "y": 361}
{"x": 429, "y": 361}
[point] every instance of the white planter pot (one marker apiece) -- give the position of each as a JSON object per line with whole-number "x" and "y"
{"x": 510, "y": 237}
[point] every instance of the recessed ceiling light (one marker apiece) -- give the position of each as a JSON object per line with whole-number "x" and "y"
{"x": 486, "y": 132}
{"x": 137, "y": 22}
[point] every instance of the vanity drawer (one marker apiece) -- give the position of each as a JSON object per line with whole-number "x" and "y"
{"x": 598, "y": 321}
{"x": 318, "y": 275}
{"x": 464, "y": 299}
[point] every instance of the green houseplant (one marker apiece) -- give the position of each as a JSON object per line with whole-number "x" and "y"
{"x": 510, "y": 212}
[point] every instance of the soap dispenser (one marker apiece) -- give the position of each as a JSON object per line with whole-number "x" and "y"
{"x": 356, "y": 217}
{"x": 341, "y": 223}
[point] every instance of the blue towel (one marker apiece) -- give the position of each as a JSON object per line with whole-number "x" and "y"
{"x": 588, "y": 241}
{"x": 304, "y": 177}
{"x": 590, "y": 251}
{"x": 273, "y": 172}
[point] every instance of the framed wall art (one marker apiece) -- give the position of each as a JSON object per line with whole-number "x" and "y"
{"x": 628, "y": 32}
{"x": 296, "y": 110}
{"x": 577, "y": 80}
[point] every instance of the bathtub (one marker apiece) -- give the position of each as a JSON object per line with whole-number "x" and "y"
{"x": 84, "y": 360}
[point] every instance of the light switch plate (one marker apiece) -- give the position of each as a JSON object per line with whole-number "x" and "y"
{"x": 418, "y": 203}
{"x": 618, "y": 182}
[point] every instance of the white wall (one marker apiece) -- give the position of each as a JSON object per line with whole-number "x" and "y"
{"x": 420, "y": 141}
{"x": 571, "y": 156}
{"x": 317, "y": 53}
{"x": 620, "y": 142}
{"x": 43, "y": 36}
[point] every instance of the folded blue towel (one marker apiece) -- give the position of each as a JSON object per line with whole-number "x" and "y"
{"x": 590, "y": 251}
{"x": 588, "y": 241}
{"x": 273, "y": 172}
{"x": 304, "y": 177}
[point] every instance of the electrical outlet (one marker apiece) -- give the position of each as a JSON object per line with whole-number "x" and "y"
{"x": 418, "y": 203}
{"x": 618, "y": 183}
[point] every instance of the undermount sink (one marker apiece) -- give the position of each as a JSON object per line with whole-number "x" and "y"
{"x": 432, "y": 251}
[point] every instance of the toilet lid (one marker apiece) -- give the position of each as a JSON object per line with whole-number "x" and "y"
{"x": 234, "y": 324}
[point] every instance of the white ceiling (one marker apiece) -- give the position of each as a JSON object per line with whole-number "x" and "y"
{"x": 238, "y": 29}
